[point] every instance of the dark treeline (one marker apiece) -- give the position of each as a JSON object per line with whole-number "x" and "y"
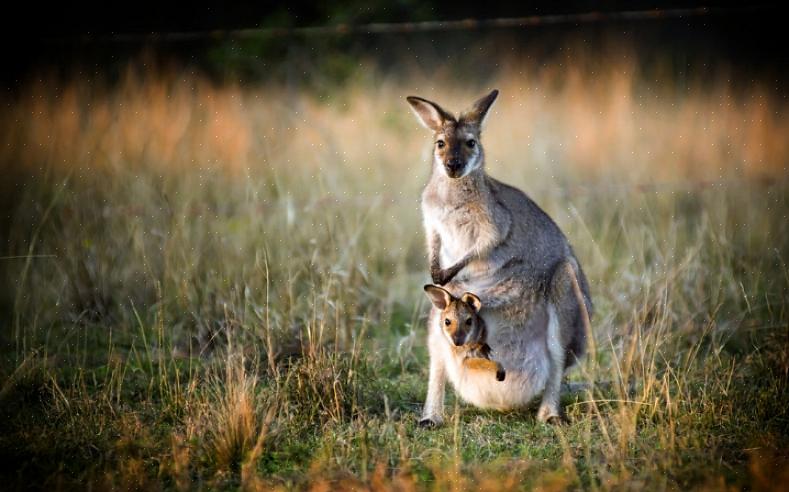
{"x": 65, "y": 41}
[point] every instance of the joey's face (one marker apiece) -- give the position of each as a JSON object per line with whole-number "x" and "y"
{"x": 459, "y": 319}
{"x": 457, "y": 149}
{"x": 459, "y": 323}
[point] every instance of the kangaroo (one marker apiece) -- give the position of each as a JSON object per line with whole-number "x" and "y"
{"x": 465, "y": 330}
{"x": 486, "y": 237}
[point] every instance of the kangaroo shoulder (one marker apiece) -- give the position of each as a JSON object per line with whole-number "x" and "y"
{"x": 523, "y": 207}
{"x": 509, "y": 196}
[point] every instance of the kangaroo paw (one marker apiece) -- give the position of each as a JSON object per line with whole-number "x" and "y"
{"x": 443, "y": 277}
{"x": 436, "y": 277}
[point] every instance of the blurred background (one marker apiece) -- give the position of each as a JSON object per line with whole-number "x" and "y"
{"x": 219, "y": 126}
{"x": 141, "y": 145}
{"x": 306, "y": 100}
{"x": 174, "y": 179}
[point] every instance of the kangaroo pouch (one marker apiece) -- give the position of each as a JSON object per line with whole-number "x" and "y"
{"x": 519, "y": 348}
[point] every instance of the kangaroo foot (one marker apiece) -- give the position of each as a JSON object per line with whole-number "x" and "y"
{"x": 549, "y": 414}
{"x": 431, "y": 421}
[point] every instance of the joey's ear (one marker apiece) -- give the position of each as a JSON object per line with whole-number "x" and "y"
{"x": 480, "y": 108}
{"x": 438, "y": 296}
{"x": 472, "y": 301}
{"x": 430, "y": 114}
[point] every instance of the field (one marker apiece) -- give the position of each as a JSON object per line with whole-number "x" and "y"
{"x": 218, "y": 285}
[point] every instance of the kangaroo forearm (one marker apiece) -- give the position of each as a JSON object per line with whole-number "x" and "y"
{"x": 450, "y": 273}
{"x": 435, "y": 265}
{"x": 434, "y": 251}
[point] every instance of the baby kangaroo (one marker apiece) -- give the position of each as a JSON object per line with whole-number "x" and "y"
{"x": 465, "y": 330}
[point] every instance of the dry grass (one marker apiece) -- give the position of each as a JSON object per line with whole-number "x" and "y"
{"x": 218, "y": 286}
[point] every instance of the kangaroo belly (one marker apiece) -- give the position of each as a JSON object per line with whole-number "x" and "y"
{"x": 482, "y": 390}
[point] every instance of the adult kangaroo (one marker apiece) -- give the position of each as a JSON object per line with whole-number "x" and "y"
{"x": 491, "y": 239}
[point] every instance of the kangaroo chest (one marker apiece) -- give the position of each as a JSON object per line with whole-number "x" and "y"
{"x": 463, "y": 228}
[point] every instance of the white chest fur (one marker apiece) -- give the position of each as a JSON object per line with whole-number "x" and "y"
{"x": 463, "y": 229}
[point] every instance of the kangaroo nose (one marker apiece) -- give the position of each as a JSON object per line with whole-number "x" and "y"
{"x": 454, "y": 166}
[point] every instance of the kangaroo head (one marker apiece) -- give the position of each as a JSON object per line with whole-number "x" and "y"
{"x": 459, "y": 317}
{"x": 457, "y": 148}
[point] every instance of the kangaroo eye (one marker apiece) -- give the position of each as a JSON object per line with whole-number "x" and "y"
{"x": 447, "y": 322}
{"x": 440, "y": 144}
{"x": 471, "y": 143}
{"x": 468, "y": 322}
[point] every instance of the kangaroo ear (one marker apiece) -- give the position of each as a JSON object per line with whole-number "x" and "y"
{"x": 472, "y": 301}
{"x": 430, "y": 114}
{"x": 438, "y": 296}
{"x": 480, "y": 108}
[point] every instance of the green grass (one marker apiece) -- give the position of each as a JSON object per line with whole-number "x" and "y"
{"x": 184, "y": 323}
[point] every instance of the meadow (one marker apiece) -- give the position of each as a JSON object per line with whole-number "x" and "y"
{"x": 218, "y": 285}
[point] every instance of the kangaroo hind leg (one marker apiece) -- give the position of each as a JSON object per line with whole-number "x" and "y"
{"x": 549, "y": 407}
{"x": 568, "y": 323}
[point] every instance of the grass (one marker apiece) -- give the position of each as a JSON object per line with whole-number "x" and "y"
{"x": 213, "y": 286}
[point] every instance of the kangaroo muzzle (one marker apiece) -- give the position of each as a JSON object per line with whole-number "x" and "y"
{"x": 454, "y": 167}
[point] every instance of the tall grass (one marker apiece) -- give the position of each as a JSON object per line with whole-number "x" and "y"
{"x": 213, "y": 286}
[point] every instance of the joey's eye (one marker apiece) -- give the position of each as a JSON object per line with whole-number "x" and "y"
{"x": 447, "y": 322}
{"x": 471, "y": 143}
{"x": 468, "y": 322}
{"x": 440, "y": 144}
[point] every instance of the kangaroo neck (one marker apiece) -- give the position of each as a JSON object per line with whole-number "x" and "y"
{"x": 472, "y": 187}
